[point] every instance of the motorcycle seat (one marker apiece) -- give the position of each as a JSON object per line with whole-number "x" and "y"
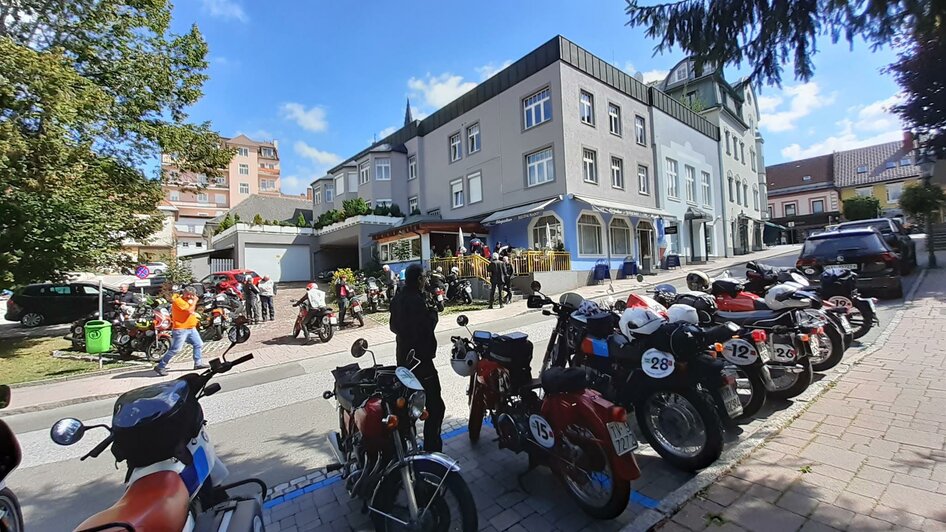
{"x": 730, "y": 287}
{"x": 563, "y": 380}
{"x": 750, "y": 317}
{"x": 158, "y": 501}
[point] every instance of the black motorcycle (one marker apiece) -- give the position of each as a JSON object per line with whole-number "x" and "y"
{"x": 459, "y": 291}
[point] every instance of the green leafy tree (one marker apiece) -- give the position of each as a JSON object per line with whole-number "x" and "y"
{"x": 918, "y": 70}
{"x": 258, "y": 220}
{"x": 382, "y": 210}
{"x": 301, "y": 221}
{"x": 225, "y": 224}
{"x": 401, "y": 250}
{"x": 395, "y": 210}
{"x": 355, "y": 207}
{"x": 921, "y": 202}
{"x": 860, "y": 208}
{"x": 90, "y": 91}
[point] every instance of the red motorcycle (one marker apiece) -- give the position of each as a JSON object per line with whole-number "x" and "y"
{"x": 584, "y": 438}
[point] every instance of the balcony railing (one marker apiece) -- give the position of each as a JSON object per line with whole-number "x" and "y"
{"x": 522, "y": 264}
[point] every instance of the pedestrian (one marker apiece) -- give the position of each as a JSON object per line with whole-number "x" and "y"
{"x": 508, "y": 273}
{"x": 342, "y": 293}
{"x": 183, "y": 329}
{"x": 448, "y": 252}
{"x": 486, "y": 252}
{"x": 267, "y": 290}
{"x": 496, "y": 280}
{"x": 252, "y": 294}
{"x": 413, "y": 323}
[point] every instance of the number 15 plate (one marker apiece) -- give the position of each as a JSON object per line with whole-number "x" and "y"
{"x": 622, "y": 437}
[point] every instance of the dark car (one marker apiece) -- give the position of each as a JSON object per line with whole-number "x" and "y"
{"x": 894, "y": 234}
{"x": 863, "y": 251}
{"x": 39, "y": 304}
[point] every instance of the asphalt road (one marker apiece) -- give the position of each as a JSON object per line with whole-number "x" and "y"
{"x": 270, "y": 423}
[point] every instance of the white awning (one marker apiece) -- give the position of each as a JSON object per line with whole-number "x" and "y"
{"x": 623, "y": 209}
{"x": 519, "y": 213}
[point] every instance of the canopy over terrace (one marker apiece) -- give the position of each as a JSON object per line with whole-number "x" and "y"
{"x": 420, "y": 240}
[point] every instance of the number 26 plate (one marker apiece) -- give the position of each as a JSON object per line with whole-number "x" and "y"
{"x": 622, "y": 437}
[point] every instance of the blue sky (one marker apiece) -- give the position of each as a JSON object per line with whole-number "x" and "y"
{"x": 323, "y": 78}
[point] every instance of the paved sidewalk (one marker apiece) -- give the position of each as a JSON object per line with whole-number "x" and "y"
{"x": 283, "y": 349}
{"x": 870, "y": 454}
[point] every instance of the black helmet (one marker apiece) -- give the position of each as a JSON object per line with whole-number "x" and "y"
{"x": 705, "y": 305}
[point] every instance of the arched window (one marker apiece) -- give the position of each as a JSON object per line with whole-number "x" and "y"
{"x": 546, "y": 232}
{"x": 620, "y": 237}
{"x": 755, "y": 197}
{"x": 738, "y": 192}
{"x": 745, "y": 192}
{"x": 730, "y": 186}
{"x": 589, "y": 235}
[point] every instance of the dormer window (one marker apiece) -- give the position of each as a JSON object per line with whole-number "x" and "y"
{"x": 862, "y": 169}
{"x": 806, "y": 178}
{"x": 681, "y": 73}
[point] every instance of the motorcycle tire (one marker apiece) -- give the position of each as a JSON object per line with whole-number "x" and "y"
{"x": 439, "y": 306}
{"x": 836, "y": 343}
{"x": 477, "y": 413}
{"x": 326, "y": 331}
{"x": 218, "y": 333}
{"x": 158, "y": 349}
{"x": 305, "y": 334}
{"x": 361, "y": 320}
{"x": 757, "y": 392}
{"x": 296, "y": 329}
{"x": 467, "y": 299}
{"x": 620, "y": 488}
{"x": 429, "y": 474}
{"x": 704, "y": 408}
{"x": 865, "y": 316}
{"x": 799, "y": 385}
{"x": 10, "y": 508}
{"x": 125, "y": 352}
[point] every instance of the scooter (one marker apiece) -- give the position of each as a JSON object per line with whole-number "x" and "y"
{"x": 175, "y": 480}
{"x": 11, "y": 516}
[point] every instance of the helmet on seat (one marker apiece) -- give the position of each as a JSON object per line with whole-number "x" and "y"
{"x": 588, "y": 308}
{"x": 682, "y": 313}
{"x": 780, "y": 297}
{"x": 439, "y": 269}
{"x": 464, "y": 361}
{"x": 698, "y": 281}
{"x": 640, "y": 320}
{"x": 455, "y": 270}
{"x": 310, "y": 286}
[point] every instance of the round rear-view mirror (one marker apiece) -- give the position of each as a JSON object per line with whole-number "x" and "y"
{"x": 462, "y": 320}
{"x": 67, "y": 431}
{"x": 238, "y": 334}
{"x": 536, "y": 286}
{"x": 620, "y": 305}
{"x": 640, "y": 278}
{"x": 359, "y": 348}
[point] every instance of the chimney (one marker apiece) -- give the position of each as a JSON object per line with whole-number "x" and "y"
{"x": 308, "y": 193}
{"x": 907, "y": 141}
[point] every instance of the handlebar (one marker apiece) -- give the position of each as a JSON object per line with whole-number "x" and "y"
{"x": 98, "y": 449}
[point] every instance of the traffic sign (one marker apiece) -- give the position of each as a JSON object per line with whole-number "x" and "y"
{"x": 142, "y": 272}
{"x": 142, "y": 283}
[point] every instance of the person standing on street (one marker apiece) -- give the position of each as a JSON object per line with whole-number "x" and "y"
{"x": 508, "y": 274}
{"x": 183, "y": 329}
{"x": 251, "y": 292}
{"x": 496, "y": 281}
{"x": 342, "y": 293}
{"x": 413, "y": 323}
{"x": 267, "y": 290}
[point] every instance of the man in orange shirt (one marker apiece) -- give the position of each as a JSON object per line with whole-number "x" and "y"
{"x": 184, "y": 329}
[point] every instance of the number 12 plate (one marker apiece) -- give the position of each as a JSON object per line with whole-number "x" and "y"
{"x": 622, "y": 437}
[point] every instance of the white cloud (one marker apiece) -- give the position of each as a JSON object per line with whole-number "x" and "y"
{"x": 491, "y": 69}
{"x": 225, "y": 9}
{"x": 323, "y": 158}
{"x": 291, "y": 184}
{"x": 649, "y": 76}
{"x": 802, "y": 100}
{"x": 865, "y": 125}
{"x": 257, "y": 134}
{"x": 386, "y": 131}
{"x": 437, "y": 91}
{"x": 768, "y": 104}
{"x": 311, "y": 119}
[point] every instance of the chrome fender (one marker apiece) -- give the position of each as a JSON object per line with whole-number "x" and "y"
{"x": 440, "y": 459}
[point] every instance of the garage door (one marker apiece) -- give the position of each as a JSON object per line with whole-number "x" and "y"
{"x": 281, "y": 263}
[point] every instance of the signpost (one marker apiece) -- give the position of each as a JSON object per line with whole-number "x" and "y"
{"x": 670, "y": 230}
{"x": 142, "y": 272}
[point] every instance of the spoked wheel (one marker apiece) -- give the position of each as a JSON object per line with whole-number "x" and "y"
{"x": 750, "y": 387}
{"x": 158, "y": 349}
{"x": 452, "y": 507}
{"x": 591, "y": 479}
{"x": 788, "y": 385}
{"x": 830, "y": 348}
{"x": 682, "y": 426}
{"x": 11, "y": 517}
{"x": 477, "y": 413}
{"x": 326, "y": 331}
{"x": 361, "y": 320}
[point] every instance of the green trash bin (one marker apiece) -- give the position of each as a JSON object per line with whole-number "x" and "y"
{"x": 98, "y": 337}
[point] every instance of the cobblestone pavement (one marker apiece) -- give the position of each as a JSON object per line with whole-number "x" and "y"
{"x": 868, "y": 455}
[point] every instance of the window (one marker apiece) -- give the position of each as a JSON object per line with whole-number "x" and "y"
{"x": 817, "y": 206}
{"x": 412, "y": 205}
{"x": 317, "y": 195}
{"x": 456, "y": 148}
{"x": 789, "y": 209}
{"x": 244, "y": 169}
{"x": 640, "y": 130}
{"x": 864, "y": 192}
{"x": 862, "y": 169}
{"x": 728, "y": 151}
{"x": 546, "y": 232}
{"x": 707, "y": 188}
{"x": 329, "y": 193}
{"x": 890, "y": 164}
{"x": 220, "y": 199}
{"x": 771, "y": 209}
{"x": 614, "y": 119}
{"x": 540, "y": 167}
{"x": 268, "y": 152}
{"x": 745, "y": 193}
{"x": 738, "y": 194}
{"x": 244, "y": 188}
{"x": 352, "y": 182}
{"x": 730, "y": 188}
{"x": 806, "y": 178}
{"x": 691, "y": 183}
{"x": 586, "y": 107}
{"x": 268, "y": 166}
{"x": 175, "y": 195}
{"x": 537, "y": 108}
{"x": 617, "y": 172}
{"x": 589, "y": 235}
{"x": 340, "y": 184}
{"x": 589, "y": 165}
{"x": 202, "y": 198}
{"x": 199, "y": 244}
{"x": 456, "y": 193}
{"x": 643, "y": 182}
{"x": 412, "y": 167}
{"x": 673, "y": 185}
{"x": 742, "y": 151}
{"x": 364, "y": 173}
{"x": 185, "y": 244}
{"x": 473, "y": 138}
{"x": 382, "y": 169}
{"x": 752, "y": 159}
{"x": 906, "y": 161}
{"x": 681, "y": 73}
{"x": 243, "y": 152}
{"x": 620, "y": 237}
{"x": 474, "y": 187}
{"x": 398, "y": 251}
{"x": 755, "y": 197}
{"x": 893, "y": 192}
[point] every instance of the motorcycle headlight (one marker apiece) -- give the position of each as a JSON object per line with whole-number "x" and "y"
{"x": 417, "y": 404}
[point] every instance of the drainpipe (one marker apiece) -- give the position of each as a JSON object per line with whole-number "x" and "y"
{"x": 722, "y": 195}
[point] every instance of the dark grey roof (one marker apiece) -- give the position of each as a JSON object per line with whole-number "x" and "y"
{"x": 277, "y": 208}
{"x": 875, "y": 159}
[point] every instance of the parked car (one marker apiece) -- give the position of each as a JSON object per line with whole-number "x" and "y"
{"x": 894, "y": 234}
{"x": 47, "y": 303}
{"x": 228, "y": 279}
{"x": 325, "y": 275}
{"x": 863, "y": 251}
{"x": 157, "y": 268}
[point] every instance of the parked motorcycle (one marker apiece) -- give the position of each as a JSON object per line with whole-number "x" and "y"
{"x": 356, "y": 310}
{"x": 11, "y": 516}
{"x": 374, "y": 295}
{"x": 216, "y": 312}
{"x": 143, "y": 329}
{"x": 459, "y": 291}
{"x": 319, "y": 320}
{"x": 379, "y": 457}
{"x": 584, "y": 438}
{"x": 175, "y": 480}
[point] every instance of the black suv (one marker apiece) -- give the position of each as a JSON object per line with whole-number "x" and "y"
{"x": 863, "y": 251}
{"x": 39, "y": 304}
{"x": 894, "y": 235}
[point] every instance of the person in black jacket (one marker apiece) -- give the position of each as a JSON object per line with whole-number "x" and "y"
{"x": 508, "y": 274}
{"x": 342, "y": 294}
{"x": 497, "y": 279}
{"x": 413, "y": 323}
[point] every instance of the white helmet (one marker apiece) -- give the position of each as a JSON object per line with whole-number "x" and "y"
{"x": 464, "y": 361}
{"x": 386, "y": 267}
{"x": 455, "y": 270}
{"x": 685, "y": 313}
{"x": 588, "y": 308}
{"x": 698, "y": 281}
{"x": 639, "y": 320}
{"x": 782, "y": 291}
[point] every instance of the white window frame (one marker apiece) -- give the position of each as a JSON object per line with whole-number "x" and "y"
{"x": 546, "y": 164}
{"x": 175, "y": 195}
{"x": 473, "y": 139}
{"x": 243, "y": 152}
{"x": 202, "y": 197}
{"x": 268, "y": 152}
{"x": 457, "y": 201}
{"x": 412, "y": 167}
{"x": 862, "y": 169}
{"x": 413, "y": 204}
{"x": 535, "y": 107}
{"x": 617, "y": 172}
{"x": 474, "y": 188}
{"x": 812, "y": 206}
{"x": 630, "y": 236}
{"x": 864, "y": 192}
{"x": 330, "y": 193}
{"x": 899, "y": 187}
{"x": 534, "y": 226}
{"x": 794, "y": 207}
{"x": 745, "y": 193}
{"x": 690, "y": 178}
{"x": 198, "y": 244}
{"x": 673, "y": 178}
{"x": 220, "y": 198}
{"x": 640, "y": 130}
{"x": 455, "y": 143}
{"x": 586, "y": 107}
{"x": 600, "y": 239}
{"x": 245, "y": 186}
{"x": 589, "y": 165}
{"x": 755, "y": 197}
{"x": 707, "y": 182}
{"x": 352, "y": 180}
{"x": 317, "y": 195}
{"x": 643, "y": 180}
{"x": 752, "y": 159}
{"x": 614, "y": 119}
{"x": 340, "y": 184}
{"x": 382, "y": 169}
{"x": 244, "y": 169}
{"x": 364, "y": 173}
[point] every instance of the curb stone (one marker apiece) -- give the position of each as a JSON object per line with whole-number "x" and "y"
{"x": 651, "y": 518}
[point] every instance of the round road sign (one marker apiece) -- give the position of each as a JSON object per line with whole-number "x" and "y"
{"x": 142, "y": 272}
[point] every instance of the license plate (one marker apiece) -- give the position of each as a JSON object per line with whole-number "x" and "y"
{"x": 731, "y": 400}
{"x": 439, "y": 297}
{"x": 873, "y": 308}
{"x": 835, "y": 267}
{"x": 784, "y": 353}
{"x": 623, "y": 438}
{"x": 763, "y": 349}
{"x": 333, "y": 320}
{"x": 846, "y": 325}
{"x": 217, "y": 320}
{"x": 469, "y": 290}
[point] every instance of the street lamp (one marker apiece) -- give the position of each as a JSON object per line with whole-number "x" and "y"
{"x": 926, "y": 164}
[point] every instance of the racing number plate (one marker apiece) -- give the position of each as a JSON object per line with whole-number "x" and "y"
{"x": 731, "y": 400}
{"x": 623, "y": 437}
{"x": 784, "y": 353}
{"x": 740, "y": 352}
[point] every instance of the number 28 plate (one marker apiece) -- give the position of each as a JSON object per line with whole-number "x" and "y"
{"x": 622, "y": 437}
